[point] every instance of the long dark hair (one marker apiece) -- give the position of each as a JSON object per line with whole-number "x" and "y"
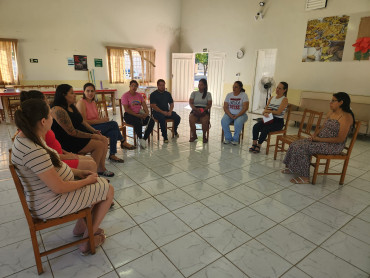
{"x": 60, "y": 97}
{"x": 285, "y": 85}
{"x": 85, "y": 86}
{"x": 25, "y": 95}
{"x": 346, "y": 105}
{"x": 240, "y": 85}
{"x": 204, "y": 81}
{"x": 26, "y": 118}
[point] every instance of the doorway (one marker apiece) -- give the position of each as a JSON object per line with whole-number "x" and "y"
{"x": 265, "y": 67}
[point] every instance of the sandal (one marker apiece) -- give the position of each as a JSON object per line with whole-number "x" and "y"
{"x": 257, "y": 150}
{"x": 114, "y": 158}
{"x": 98, "y": 232}
{"x": 127, "y": 146}
{"x": 251, "y": 149}
{"x": 299, "y": 180}
{"x": 106, "y": 173}
{"x": 286, "y": 171}
{"x": 192, "y": 139}
{"x": 101, "y": 239}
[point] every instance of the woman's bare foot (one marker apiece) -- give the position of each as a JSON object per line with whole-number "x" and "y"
{"x": 286, "y": 171}
{"x": 85, "y": 247}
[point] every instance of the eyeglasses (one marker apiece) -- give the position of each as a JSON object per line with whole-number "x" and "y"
{"x": 333, "y": 100}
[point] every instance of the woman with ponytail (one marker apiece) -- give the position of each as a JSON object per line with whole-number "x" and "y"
{"x": 200, "y": 103}
{"x": 49, "y": 184}
{"x": 329, "y": 139}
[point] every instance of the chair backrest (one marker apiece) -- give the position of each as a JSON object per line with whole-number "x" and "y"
{"x": 120, "y": 110}
{"x": 354, "y": 137}
{"x": 102, "y": 107}
{"x": 20, "y": 191}
{"x": 313, "y": 117}
{"x": 287, "y": 117}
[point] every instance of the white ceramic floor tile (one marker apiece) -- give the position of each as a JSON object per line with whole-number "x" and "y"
{"x": 14, "y": 231}
{"x": 166, "y": 170}
{"x": 222, "y": 204}
{"x": 165, "y": 228}
{"x": 11, "y": 212}
{"x": 321, "y": 263}
{"x": 175, "y": 199}
{"x": 152, "y": 265}
{"x": 122, "y": 181}
{"x": 258, "y": 261}
{"x": 223, "y": 236}
{"x": 241, "y": 175}
{"x": 311, "y": 191}
{"x": 158, "y": 186}
{"x": 182, "y": 179}
{"x": 365, "y": 214}
{"x": 203, "y": 173}
{"x": 143, "y": 176}
{"x": 126, "y": 246}
{"x": 250, "y": 221}
{"x": 200, "y": 190}
{"x": 222, "y": 182}
{"x": 145, "y": 210}
{"x": 196, "y": 215}
{"x": 33, "y": 273}
{"x": 116, "y": 221}
{"x": 273, "y": 209}
{"x": 287, "y": 244}
{"x": 245, "y": 194}
{"x": 265, "y": 186}
{"x": 292, "y": 199}
{"x": 328, "y": 215}
{"x": 8, "y": 197}
{"x": 221, "y": 268}
{"x": 195, "y": 253}
{"x": 224, "y": 166}
{"x": 309, "y": 228}
{"x": 130, "y": 195}
{"x": 361, "y": 184}
{"x": 295, "y": 273}
{"x": 359, "y": 229}
{"x": 348, "y": 248}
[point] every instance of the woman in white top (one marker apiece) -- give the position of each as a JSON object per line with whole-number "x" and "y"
{"x": 277, "y": 106}
{"x": 200, "y": 103}
{"x": 49, "y": 184}
{"x": 235, "y": 106}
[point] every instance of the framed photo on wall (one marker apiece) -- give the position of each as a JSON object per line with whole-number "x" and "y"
{"x": 80, "y": 62}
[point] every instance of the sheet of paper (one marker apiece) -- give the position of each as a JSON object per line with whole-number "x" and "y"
{"x": 268, "y": 118}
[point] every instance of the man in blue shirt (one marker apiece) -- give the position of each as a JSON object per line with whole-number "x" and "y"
{"x": 162, "y": 105}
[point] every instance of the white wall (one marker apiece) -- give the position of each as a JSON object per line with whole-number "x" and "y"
{"x": 53, "y": 30}
{"x": 229, "y": 25}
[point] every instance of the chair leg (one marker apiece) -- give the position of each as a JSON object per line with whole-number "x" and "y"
{"x": 222, "y": 136}
{"x": 327, "y": 166}
{"x": 317, "y": 164}
{"x": 157, "y": 131}
{"x": 268, "y": 144}
{"x": 344, "y": 171}
{"x": 36, "y": 251}
{"x": 91, "y": 232}
{"x": 276, "y": 147}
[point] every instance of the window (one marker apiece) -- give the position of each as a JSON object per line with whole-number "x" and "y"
{"x": 130, "y": 63}
{"x": 8, "y": 62}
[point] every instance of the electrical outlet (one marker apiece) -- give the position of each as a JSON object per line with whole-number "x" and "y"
{"x": 34, "y": 60}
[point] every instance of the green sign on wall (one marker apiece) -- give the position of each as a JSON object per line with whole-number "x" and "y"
{"x": 98, "y": 63}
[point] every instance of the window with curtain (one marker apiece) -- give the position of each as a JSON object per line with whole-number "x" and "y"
{"x": 131, "y": 63}
{"x": 8, "y": 62}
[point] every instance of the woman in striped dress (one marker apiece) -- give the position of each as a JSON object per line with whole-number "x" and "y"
{"x": 49, "y": 184}
{"x": 277, "y": 106}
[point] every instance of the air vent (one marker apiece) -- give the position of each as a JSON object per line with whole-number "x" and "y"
{"x": 315, "y": 4}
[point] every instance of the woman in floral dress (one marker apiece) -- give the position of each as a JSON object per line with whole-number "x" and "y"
{"x": 329, "y": 139}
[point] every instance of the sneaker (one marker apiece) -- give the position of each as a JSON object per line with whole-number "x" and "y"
{"x": 165, "y": 140}
{"x": 234, "y": 142}
{"x": 142, "y": 143}
{"x": 226, "y": 142}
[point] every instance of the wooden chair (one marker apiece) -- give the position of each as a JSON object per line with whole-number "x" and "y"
{"x": 283, "y": 131}
{"x": 309, "y": 118}
{"x": 241, "y": 136}
{"x": 35, "y": 224}
{"x": 157, "y": 130}
{"x": 14, "y": 104}
{"x": 102, "y": 107}
{"x": 345, "y": 155}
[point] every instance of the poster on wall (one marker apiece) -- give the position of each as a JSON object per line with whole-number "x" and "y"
{"x": 98, "y": 62}
{"x": 80, "y": 62}
{"x": 325, "y": 39}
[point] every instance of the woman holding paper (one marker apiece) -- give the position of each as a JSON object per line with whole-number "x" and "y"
{"x": 273, "y": 117}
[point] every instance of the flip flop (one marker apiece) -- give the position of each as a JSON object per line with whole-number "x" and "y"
{"x": 127, "y": 148}
{"x": 101, "y": 237}
{"x": 299, "y": 180}
{"x": 257, "y": 150}
{"x": 251, "y": 149}
{"x": 106, "y": 173}
{"x": 286, "y": 171}
{"x": 118, "y": 160}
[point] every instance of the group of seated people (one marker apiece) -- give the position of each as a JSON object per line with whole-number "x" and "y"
{"x": 49, "y": 149}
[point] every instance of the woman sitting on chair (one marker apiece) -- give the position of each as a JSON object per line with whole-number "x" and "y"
{"x": 276, "y": 106}
{"x": 329, "y": 139}
{"x": 73, "y": 133}
{"x": 110, "y": 129}
{"x": 137, "y": 113}
{"x": 235, "y": 106}
{"x": 200, "y": 103}
{"x": 49, "y": 184}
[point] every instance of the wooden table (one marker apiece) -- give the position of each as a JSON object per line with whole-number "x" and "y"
{"x": 5, "y": 98}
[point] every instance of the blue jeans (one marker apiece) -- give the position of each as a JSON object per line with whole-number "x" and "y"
{"x": 111, "y": 130}
{"x": 238, "y": 126}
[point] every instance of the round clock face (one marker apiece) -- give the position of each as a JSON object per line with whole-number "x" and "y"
{"x": 240, "y": 54}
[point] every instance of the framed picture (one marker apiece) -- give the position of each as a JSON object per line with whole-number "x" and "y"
{"x": 80, "y": 62}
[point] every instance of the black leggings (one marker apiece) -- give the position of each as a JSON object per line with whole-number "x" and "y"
{"x": 260, "y": 127}
{"x": 138, "y": 124}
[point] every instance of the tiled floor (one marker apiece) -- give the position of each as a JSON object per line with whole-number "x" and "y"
{"x": 207, "y": 210}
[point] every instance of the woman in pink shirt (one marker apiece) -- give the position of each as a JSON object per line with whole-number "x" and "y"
{"x": 110, "y": 129}
{"x": 137, "y": 113}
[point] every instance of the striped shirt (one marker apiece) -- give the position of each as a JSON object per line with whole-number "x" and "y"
{"x": 275, "y": 104}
